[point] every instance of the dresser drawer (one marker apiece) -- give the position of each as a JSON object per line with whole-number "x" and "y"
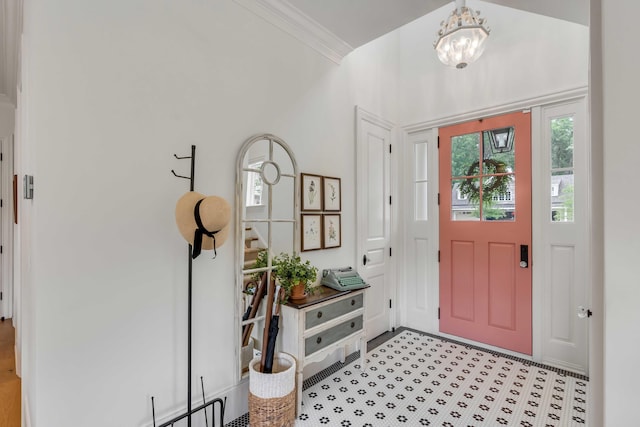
{"x": 332, "y": 311}
{"x": 330, "y": 336}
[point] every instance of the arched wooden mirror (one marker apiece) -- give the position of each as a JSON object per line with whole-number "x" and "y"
{"x": 267, "y": 220}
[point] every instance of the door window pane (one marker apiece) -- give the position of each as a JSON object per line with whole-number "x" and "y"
{"x": 562, "y": 197}
{"x": 496, "y": 172}
{"x": 498, "y": 167}
{"x": 562, "y": 172}
{"x": 562, "y": 143}
{"x": 465, "y": 153}
{"x": 500, "y": 203}
{"x": 420, "y": 183}
{"x": 499, "y": 154}
{"x": 465, "y": 204}
{"x": 420, "y": 152}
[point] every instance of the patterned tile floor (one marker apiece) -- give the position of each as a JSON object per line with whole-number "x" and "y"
{"x": 415, "y": 379}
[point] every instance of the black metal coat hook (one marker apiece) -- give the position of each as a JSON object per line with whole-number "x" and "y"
{"x": 179, "y": 176}
{"x": 193, "y": 164}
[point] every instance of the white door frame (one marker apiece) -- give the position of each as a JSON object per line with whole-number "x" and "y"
{"x": 6, "y": 231}
{"x": 409, "y": 135}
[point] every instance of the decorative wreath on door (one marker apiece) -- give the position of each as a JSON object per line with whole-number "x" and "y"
{"x": 493, "y": 185}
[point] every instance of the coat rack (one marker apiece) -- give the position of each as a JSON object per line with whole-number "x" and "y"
{"x": 190, "y": 411}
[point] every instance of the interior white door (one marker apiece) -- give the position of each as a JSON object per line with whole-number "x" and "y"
{"x": 374, "y": 139}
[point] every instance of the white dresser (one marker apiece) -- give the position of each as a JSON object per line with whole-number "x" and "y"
{"x": 322, "y": 323}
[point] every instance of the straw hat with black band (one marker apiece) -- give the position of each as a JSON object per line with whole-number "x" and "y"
{"x": 203, "y": 221}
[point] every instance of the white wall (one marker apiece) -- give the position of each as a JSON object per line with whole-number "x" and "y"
{"x": 7, "y": 116}
{"x": 527, "y": 56}
{"x": 621, "y": 244}
{"x": 7, "y": 119}
{"x": 112, "y": 91}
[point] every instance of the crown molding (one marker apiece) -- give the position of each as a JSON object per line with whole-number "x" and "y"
{"x": 292, "y": 20}
{"x": 521, "y": 104}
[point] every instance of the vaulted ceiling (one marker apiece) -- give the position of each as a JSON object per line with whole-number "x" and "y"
{"x": 360, "y": 21}
{"x": 333, "y": 27}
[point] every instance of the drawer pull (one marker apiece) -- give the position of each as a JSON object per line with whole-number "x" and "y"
{"x": 319, "y": 340}
{"x": 353, "y": 302}
{"x": 353, "y": 324}
{"x": 319, "y": 314}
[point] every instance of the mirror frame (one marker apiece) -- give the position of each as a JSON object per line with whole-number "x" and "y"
{"x": 240, "y": 225}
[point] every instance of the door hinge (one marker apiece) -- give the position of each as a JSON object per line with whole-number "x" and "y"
{"x": 438, "y": 312}
{"x": 389, "y": 199}
{"x": 389, "y": 303}
{"x": 438, "y": 199}
{"x": 1, "y": 202}
{"x": 1, "y": 249}
{"x": 438, "y": 255}
{"x": 1, "y": 158}
{"x": 0, "y": 296}
{"x": 389, "y": 251}
{"x": 389, "y": 148}
{"x": 438, "y": 141}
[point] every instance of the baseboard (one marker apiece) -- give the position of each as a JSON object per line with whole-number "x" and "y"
{"x": 236, "y": 406}
{"x": 18, "y": 359}
{"x": 563, "y": 365}
{"x": 26, "y": 411}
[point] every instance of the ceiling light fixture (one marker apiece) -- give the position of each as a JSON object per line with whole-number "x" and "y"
{"x": 461, "y": 37}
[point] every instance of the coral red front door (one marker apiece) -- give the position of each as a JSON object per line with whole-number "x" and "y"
{"x": 485, "y": 231}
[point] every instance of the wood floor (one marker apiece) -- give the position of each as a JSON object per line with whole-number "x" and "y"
{"x": 9, "y": 381}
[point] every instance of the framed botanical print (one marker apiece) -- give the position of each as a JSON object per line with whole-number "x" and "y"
{"x": 332, "y": 194}
{"x": 311, "y": 232}
{"x": 331, "y": 231}
{"x": 311, "y": 192}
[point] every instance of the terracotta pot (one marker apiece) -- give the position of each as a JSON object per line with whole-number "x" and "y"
{"x": 298, "y": 292}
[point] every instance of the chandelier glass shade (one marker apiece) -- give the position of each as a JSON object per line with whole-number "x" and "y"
{"x": 461, "y": 37}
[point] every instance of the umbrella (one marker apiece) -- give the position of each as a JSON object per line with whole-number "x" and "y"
{"x": 253, "y": 308}
{"x": 273, "y": 334}
{"x": 271, "y": 292}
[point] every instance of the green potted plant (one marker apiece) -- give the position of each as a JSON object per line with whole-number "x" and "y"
{"x": 295, "y": 276}
{"x": 260, "y": 262}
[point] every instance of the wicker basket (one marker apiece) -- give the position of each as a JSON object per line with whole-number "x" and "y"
{"x": 272, "y": 397}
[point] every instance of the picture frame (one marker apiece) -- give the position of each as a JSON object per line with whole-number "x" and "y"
{"x": 311, "y": 192}
{"x": 332, "y": 200}
{"x": 311, "y": 230}
{"x": 331, "y": 231}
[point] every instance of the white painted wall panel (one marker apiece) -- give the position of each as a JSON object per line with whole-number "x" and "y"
{"x": 562, "y": 302}
{"x": 421, "y": 253}
{"x": 375, "y": 187}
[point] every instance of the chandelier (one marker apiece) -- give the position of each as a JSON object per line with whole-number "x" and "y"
{"x": 461, "y": 37}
